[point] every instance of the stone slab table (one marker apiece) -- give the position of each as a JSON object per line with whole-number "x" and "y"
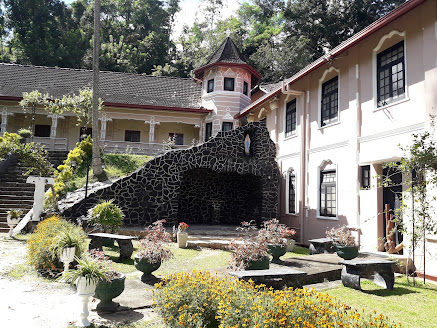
{"x": 124, "y": 242}
{"x": 290, "y": 277}
{"x": 321, "y": 246}
{"x": 381, "y": 271}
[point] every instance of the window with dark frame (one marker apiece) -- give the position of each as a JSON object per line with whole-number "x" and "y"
{"x": 245, "y": 88}
{"x": 229, "y": 84}
{"x": 329, "y": 101}
{"x": 132, "y": 136}
{"x": 208, "y": 131}
{"x": 210, "y": 86}
{"x": 391, "y": 74}
{"x": 328, "y": 203}
{"x": 290, "y": 118}
{"x": 42, "y": 130}
{"x": 292, "y": 193}
{"x": 227, "y": 126}
{"x": 365, "y": 176}
{"x": 178, "y": 138}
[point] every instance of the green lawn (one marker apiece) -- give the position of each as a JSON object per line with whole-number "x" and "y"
{"x": 413, "y": 306}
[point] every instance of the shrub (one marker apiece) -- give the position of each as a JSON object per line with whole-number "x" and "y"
{"x": 199, "y": 299}
{"x": 341, "y": 236}
{"x": 41, "y": 245}
{"x": 152, "y": 246}
{"x": 24, "y": 133}
{"x": 107, "y": 216}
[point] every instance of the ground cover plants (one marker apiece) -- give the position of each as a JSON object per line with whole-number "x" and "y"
{"x": 199, "y": 299}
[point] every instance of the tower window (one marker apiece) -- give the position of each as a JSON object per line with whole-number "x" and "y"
{"x": 210, "y": 86}
{"x": 229, "y": 84}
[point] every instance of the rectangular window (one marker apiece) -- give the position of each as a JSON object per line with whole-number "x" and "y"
{"x": 177, "y": 137}
{"x": 391, "y": 74}
{"x": 328, "y": 193}
{"x": 290, "y": 118}
{"x": 292, "y": 193}
{"x": 42, "y": 131}
{"x": 229, "y": 84}
{"x": 208, "y": 131}
{"x": 227, "y": 126}
{"x": 246, "y": 88}
{"x": 365, "y": 177}
{"x": 329, "y": 101}
{"x": 132, "y": 136}
{"x": 210, "y": 86}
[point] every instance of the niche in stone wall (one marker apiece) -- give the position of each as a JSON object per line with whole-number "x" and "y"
{"x": 208, "y": 197}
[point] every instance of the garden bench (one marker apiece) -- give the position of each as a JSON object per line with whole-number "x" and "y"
{"x": 290, "y": 277}
{"x": 354, "y": 270}
{"x": 124, "y": 242}
{"x": 321, "y": 245}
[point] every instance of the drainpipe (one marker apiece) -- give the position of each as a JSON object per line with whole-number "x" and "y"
{"x": 286, "y": 90}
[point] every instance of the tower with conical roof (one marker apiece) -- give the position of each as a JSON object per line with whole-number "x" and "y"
{"x": 226, "y": 82}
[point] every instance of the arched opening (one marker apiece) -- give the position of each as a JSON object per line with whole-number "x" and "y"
{"x": 209, "y": 197}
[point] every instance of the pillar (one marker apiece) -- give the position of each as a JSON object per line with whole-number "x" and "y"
{"x": 104, "y": 119}
{"x": 4, "y": 123}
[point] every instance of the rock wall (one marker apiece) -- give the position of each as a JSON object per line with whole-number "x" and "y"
{"x": 219, "y": 181}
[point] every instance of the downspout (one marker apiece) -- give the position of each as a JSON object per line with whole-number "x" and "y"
{"x": 302, "y": 209}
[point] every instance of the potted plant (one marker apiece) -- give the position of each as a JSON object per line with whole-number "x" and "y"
{"x": 344, "y": 242}
{"x": 12, "y": 218}
{"x": 289, "y": 234}
{"x": 24, "y": 134}
{"x": 272, "y": 235}
{"x": 108, "y": 217}
{"x": 68, "y": 244}
{"x": 109, "y": 288}
{"x": 86, "y": 276}
{"x": 152, "y": 249}
{"x": 182, "y": 235}
{"x": 251, "y": 253}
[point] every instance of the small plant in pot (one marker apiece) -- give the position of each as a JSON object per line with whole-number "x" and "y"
{"x": 109, "y": 288}
{"x": 182, "y": 235}
{"x": 272, "y": 234}
{"x": 68, "y": 244}
{"x": 289, "y": 234}
{"x": 108, "y": 217}
{"x": 153, "y": 249}
{"x": 12, "y": 218}
{"x": 344, "y": 242}
{"x": 24, "y": 134}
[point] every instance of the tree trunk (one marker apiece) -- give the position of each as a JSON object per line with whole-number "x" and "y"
{"x": 98, "y": 171}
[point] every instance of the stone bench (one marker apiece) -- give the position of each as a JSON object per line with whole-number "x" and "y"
{"x": 380, "y": 270}
{"x": 321, "y": 246}
{"x": 124, "y": 242}
{"x": 290, "y": 277}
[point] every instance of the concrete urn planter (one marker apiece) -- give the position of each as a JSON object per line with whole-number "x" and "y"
{"x": 182, "y": 239}
{"x": 106, "y": 291}
{"x": 67, "y": 257}
{"x": 276, "y": 251}
{"x": 262, "y": 264}
{"x": 347, "y": 252}
{"x": 85, "y": 289}
{"x": 142, "y": 264}
{"x": 290, "y": 244}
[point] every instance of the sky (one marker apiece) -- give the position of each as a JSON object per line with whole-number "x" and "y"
{"x": 189, "y": 8}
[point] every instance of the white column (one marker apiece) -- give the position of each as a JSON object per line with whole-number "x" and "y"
{"x": 152, "y": 123}
{"x": 54, "y": 128}
{"x": 103, "y": 120}
{"x": 4, "y": 124}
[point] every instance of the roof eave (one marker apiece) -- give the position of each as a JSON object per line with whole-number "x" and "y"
{"x": 199, "y": 72}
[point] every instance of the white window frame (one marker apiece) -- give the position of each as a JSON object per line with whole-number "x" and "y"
{"x": 329, "y": 74}
{"x": 386, "y": 41}
{"x": 327, "y": 165}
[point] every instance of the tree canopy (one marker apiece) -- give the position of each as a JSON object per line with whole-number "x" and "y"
{"x": 277, "y": 37}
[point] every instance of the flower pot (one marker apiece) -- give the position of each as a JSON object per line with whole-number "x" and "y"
{"x": 12, "y": 221}
{"x": 106, "y": 291}
{"x": 86, "y": 287}
{"x": 262, "y": 264}
{"x": 182, "y": 238}
{"x": 142, "y": 264}
{"x": 67, "y": 256}
{"x": 290, "y": 244}
{"x": 347, "y": 252}
{"x": 276, "y": 251}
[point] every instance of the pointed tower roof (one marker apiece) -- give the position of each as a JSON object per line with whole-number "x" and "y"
{"x": 227, "y": 54}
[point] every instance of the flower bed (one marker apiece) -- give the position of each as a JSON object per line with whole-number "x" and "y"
{"x": 199, "y": 299}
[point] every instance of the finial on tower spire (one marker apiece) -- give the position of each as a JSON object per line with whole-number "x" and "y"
{"x": 228, "y": 33}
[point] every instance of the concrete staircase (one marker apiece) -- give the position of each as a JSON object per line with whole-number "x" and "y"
{"x": 15, "y": 193}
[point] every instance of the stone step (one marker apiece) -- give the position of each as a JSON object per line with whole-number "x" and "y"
{"x": 16, "y": 193}
{"x": 16, "y": 200}
{"x": 16, "y": 186}
{"x": 16, "y": 196}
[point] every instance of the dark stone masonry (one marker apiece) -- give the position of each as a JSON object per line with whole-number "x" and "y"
{"x": 233, "y": 177}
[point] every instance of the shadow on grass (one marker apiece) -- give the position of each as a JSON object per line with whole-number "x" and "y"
{"x": 373, "y": 289}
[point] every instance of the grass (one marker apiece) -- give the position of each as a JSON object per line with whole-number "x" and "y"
{"x": 413, "y": 306}
{"x": 116, "y": 166}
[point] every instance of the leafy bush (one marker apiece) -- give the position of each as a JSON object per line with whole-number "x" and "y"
{"x": 107, "y": 216}
{"x": 41, "y": 245}
{"x": 198, "y": 299}
{"x": 152, "y": 246}
{"x": 24, "y": 133}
